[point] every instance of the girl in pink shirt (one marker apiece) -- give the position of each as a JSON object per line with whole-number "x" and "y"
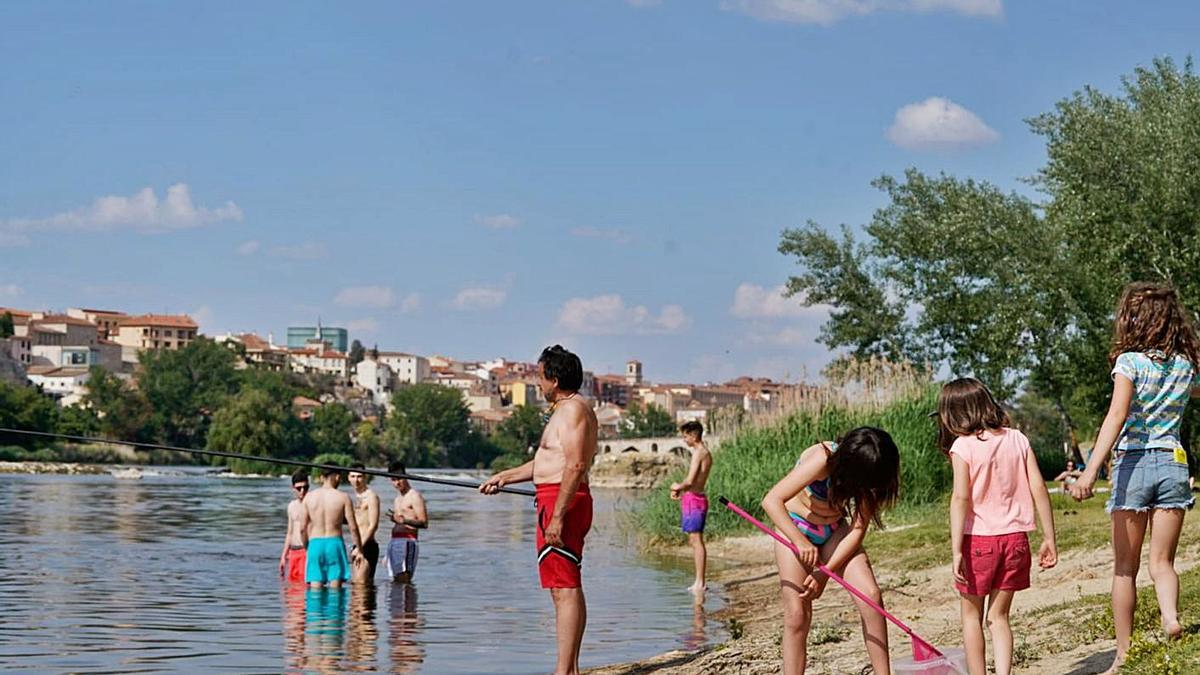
{"x": 997, "y": 483}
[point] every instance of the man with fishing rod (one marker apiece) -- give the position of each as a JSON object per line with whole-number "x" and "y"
{"x": 559, "y": 470}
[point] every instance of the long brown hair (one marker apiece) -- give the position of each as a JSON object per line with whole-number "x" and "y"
{"x": 1149, "y": 317}
{"x": 864, "y": 474}
{"x": 967, "y": 408}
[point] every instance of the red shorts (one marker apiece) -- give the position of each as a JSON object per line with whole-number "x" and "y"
{"x": 558, "y": 566}
{"x": 995, "y": 563}
{"x": 296, "y": 560}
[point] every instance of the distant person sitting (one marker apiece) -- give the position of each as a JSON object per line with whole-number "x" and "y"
{"x": 408, "y": 517}
{"x": 1069, "y": 476}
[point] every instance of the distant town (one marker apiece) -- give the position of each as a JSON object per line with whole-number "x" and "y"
{"x": 55, "y": 351}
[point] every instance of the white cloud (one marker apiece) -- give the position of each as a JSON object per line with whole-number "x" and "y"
{"x": 248, "y": 248}
{"x": 751, "y": 301}
{"x": 203, "y": 316}
{"x": 608, "y": 315}
{"x": 306, "y": 251}
{"x": 827, "y": 12}
{"x": 939, "y": 124}
{"x": 10, "y": 239}
{"x": 615, "y": 236}
{"x": 481, "y": 298}
{"x": 365, "y": 296}
{"x": 141, "y": 212}
{"x": 410, "y": 303}
{"x": 790, "y": 336}
{"x": 367, "y": 325}
{"x": 498, "y": 221}
{"x": 10, "y": 290}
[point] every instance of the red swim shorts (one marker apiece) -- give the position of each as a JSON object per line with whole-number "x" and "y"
{"x": 297, "y": 558}
{"x": 995, "y": 563}
{"x": 558, "y": 566}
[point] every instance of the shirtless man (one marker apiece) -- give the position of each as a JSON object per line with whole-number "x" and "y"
{"x": 326, "y": 508}
{"x": 291, "y": 560}
{"x": 559, "y": 469}
{"x": 366, "y": 509}
{"x": 692, "y": 501}
{"x": 408, "y": 517}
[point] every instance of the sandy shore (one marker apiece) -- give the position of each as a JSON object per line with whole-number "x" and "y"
{"x": 925, "y": 599}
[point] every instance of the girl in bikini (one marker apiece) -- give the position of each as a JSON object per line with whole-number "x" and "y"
{"x": 824, "y": 507}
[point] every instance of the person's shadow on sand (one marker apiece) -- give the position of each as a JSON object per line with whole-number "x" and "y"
{"x": 1096, "y": 663}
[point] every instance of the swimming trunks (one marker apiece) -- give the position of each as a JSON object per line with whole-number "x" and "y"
{"x": 817, "y": 534}
{"x": 370, "y": 551}
{"x": 694, "y": 510}
{"x": 327, "y": 561}
{"x": 294, "y": 563}
{"x": 559, "y": 566}
{"x": 402, "y": 556}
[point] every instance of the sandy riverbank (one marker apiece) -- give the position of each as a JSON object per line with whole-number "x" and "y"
{"x": 923, "y": 598}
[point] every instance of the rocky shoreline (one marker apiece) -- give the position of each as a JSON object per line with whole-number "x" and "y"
{"x": 72, "y": 468}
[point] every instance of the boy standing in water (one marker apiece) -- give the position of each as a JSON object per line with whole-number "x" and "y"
{"x": 408, "y": 517}
{"x": 367, "y": 512}
{"x": 327, "y": 507}
{"x": 692, "y": 501}
{"x": 292, "y": 559}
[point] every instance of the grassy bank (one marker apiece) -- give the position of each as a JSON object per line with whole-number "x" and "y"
{"x": 747, "y": 465}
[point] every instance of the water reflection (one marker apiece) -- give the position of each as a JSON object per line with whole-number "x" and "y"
{"x": 362, "y": 633}
{"x": 697, "y": 636}
{"x": 404, "y": 624}
{"x": 205, "y": 545}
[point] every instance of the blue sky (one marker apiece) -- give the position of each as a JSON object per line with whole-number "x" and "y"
{"x": 482, "y": 178}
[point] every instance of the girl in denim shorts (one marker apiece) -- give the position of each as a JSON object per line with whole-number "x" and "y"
{"x": 997, "y": 485}
{"x": 1154, "y": 358}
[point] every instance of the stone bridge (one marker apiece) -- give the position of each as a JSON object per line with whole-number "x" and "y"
{"x": 612, "y": 448}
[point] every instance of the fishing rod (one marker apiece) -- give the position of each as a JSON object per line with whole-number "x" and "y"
{"x": 272, "y": 460}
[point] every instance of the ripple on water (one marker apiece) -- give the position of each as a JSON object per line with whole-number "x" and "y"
{"x": 178, "y": 572}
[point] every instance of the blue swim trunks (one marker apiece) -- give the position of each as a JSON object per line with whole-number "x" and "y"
{"x": 327, "y": 561}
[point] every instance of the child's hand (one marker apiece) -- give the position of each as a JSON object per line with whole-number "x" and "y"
{"x": 1048, "y": 555}
{"x": 959, "y": 569}
{"x": 1082, "y": 488}
{"x": 676, "y": 488}
{"x": 806, "y": 553}
{"x": 813, "y": 586}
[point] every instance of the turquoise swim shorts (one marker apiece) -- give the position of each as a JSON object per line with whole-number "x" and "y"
{"x": 327, "y": 561}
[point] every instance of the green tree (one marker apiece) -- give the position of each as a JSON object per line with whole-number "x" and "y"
{"x": 959, "y": 274}
{"x": 330, "y": 429}
{"x": 251, "y": 423}
{"x": 124, "y": 413}
{"x": 648, "y": 421}
{"x": 357, "y": 353}
{"x": 429, "y": 424}
{"x": 26, "y": 408}
{"x": 77, "y": 420}
{"x": 520, "y": 431}
{"x": 186, "y": 386}
{"x": 6, "y": 325}
{"x": 368, "y": 443}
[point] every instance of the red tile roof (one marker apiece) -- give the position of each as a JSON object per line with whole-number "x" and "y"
{"x": 64, "y": 319}
{"x": 160, "y": 321}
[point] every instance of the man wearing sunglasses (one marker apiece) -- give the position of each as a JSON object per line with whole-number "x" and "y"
{"x": 293, "y": 559}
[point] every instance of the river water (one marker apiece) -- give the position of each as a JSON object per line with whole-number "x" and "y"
{"x": 178, "y": 572}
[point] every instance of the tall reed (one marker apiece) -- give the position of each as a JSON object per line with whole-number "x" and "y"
{"x": 758, "y": 450}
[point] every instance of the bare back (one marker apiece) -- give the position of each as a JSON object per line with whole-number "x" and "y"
{"x": 701, "y": 466}
{"x": 327, "y": 507}
{"x": 571, "y": 430}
